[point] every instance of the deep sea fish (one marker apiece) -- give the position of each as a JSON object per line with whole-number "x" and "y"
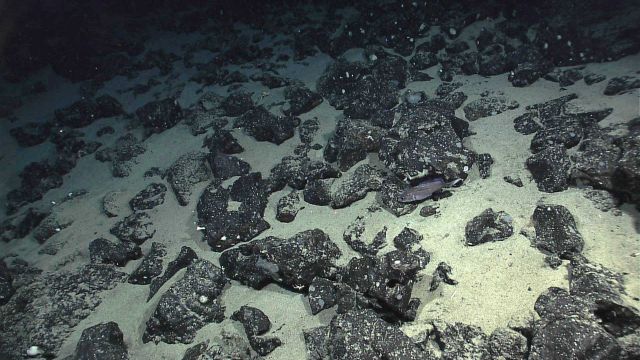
{"x": 425, "y": 189}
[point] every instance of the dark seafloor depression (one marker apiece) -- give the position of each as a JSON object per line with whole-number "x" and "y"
{"x": 320, "y": 180}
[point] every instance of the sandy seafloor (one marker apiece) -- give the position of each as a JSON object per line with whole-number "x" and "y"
{"x": 498, "y": 282}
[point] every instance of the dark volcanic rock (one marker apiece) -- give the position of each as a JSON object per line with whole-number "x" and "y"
{"x": 595, "y": 282}
{"x": 122, "y": 154}
{"x": 31, "y": 134}
{"x": 527, "y": 123}
{"x": 484, "y": 165}
{"x": 370, "y": 96}
{"x": 492, "y": 60}
{"x": 555, "y": 125}
{"x": 237, "y": 103}
{"x": 104, "y": 251}
{"x": 296, "y": 171}
{"x": 506, "y": 343}
{"x": 293, "y": 262}
{"x": 191, "y": 303}
{"x": 354, "y": 237}
{"x": 515, "y": 181}
{"x": 264, "y": 126}
{"x": 19, "y": 226}
{"x": 203, "y": 118}
{"x": 103, "y": 341}
{"x": 223, "y": 226}
{"x": 591, "y": 79}
{"x": 288, "y": 207}
{"x": 429, "y": 210}
{"x": 225, "y": 346}
{"x": 570, "y": 77}
{"x": 407, "y": 238}
{"x": 253, "y": 320}
{"x": 158, "y": 116}
{"x": 610, "y": 162}
{"x": 223, "y": 142}
{"x": 361, "y": 335}
{"x": 390, "y": 192}
{"x": 48, "y": 306}
{"x": 136, "y": 228}
{"x": 185, "y": 257}
{"x": 567, "y": 135}
{"x": 35, "y": 180}
{"x": 388, "y": 281}
{"x": 487, "y": 227}
{"x": 364, "y": 179}
{"x": 150, "y": 197}
{"x": 442, "y": 274}
{"x": 423, "y": 60}
{"x": 550, "y": 169}
{"x": 318, "y": 192}
{"x": 621, "y": 85}
{"x": 422, "y": 144}
{"x": 461, "y": 341}
{"x": 86, "y": 111}
{"x": 308, "y": 130}
{"x": 352, "y": 141}
{"x": 150, "y": 267}
{"x": 184, "y": 173}
{"x": 527, "y": 65}
{"x": 255, "y": 323}
{"x": 300, "y": 100}
{"x": 572, "y": 324}
{"x": 271, "y": 81}
{"x": 488, "y": 106}
{"x": 556, "y": 231}
{"x": 525, "y": 74}
{"x": 226, "y": 166}
{"x": 322, "y": 295}
{"x": 347, "y": 88}
{"x": 6, "y": 284}
{"x": 264, "y": 345}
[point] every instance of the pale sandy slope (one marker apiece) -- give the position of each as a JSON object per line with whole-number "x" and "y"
{"x": 498, "y": 282}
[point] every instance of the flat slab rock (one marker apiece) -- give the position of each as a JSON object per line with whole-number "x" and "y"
{"x": 191, "y": 303}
